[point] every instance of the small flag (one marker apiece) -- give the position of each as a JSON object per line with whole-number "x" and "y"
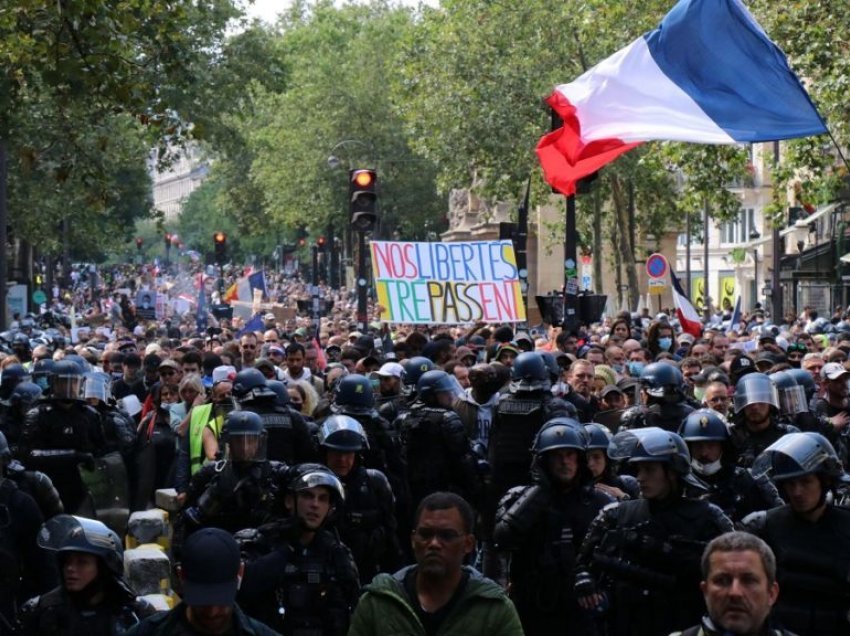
{"x": 255, "y": 324}
{"x": 688, "y": 317}
{"x": 735, "y": 322}
{"x": 257, "y": 280}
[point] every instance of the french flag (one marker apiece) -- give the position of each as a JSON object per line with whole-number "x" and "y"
{"x": 686, "y": 313}
{"x": 708, "y": 74}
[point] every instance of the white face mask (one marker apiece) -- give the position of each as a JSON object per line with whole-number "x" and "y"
{"x": 706, "y": 469}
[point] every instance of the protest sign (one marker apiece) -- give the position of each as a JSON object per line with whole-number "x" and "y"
{"x": 447, "y": 283}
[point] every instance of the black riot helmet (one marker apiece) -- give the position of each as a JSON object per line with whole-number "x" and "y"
{"x": 67, "y": 533}
{"x": 250, "y": 384}
{"x": 529, "y": 373}
{"x": 42, "y": 370}
{"x": 560, "y": 432}
{"x": 10, "y": 377}
{"x": 434, "y": 382}
{"x": 704, "y": 425}
{"x": 551, "y": 365}
{"x": 305, "y": 476}
{"x": 797, "y": 454}
{"x": 67, "y": 381}
{"x": 354, "y": 394}
{"x": 791, "y": 396}
{"x": 598, "y": 436}
{"x": 754, "y": 388}
{"x": 414, "y": 368}
{"x": 279, "y": 389}
{"x": 25, "y": 395}
{"x": 342, "y": 433}
{"x": 805, "y": 380}
{"x": 662, "y": 382}
{"x": 244, "y": 437}
{"x": 5, "y": 454}
{"x": 651, "y": 444}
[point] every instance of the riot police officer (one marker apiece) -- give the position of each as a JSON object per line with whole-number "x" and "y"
{"x": 41, "y": 372}
{"x": 306, "y": 582}
{"x": 242, "y": 490}
{"x": 642, "y": 556}
{"x": 664, "y": 402}
{"x": 602, "y": 469}
{"x": 794, "y": 405}
{"x": 731, "y": 488}
{"x": 24, "y": 397}
{"x": 518, "y": 417}
{"x": 756, "y": 425}
{"x": 33, "y": 482}
{"x": 413, "y": 368}
{"x": 289, "y": 438}
{"x": 542, "y": 526}
{"x": 808, "y": 535}
{"x": 437, "y": 450}
{"x": 64, "y": 437}
{"x": 10, "y": 377}
{"x": 366, "y": 518}
{"x": 93, "y": 599}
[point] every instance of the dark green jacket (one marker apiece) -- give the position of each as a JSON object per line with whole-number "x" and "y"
{"x": 166, "y": 623}
{"x": 483, "y": 610}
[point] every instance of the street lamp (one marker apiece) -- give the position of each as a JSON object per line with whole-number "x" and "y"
{"x": 754, "y": 236}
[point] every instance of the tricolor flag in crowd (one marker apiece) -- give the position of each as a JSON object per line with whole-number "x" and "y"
{"x": 243, "y": 288}
{"x": 707, "y": 74}
{"x": 686, "y": 313}
{"x": 735, "y": 321}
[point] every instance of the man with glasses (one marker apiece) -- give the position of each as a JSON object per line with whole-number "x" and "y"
{"x": 445, "y": 596}
{"x": 248, "y": 346}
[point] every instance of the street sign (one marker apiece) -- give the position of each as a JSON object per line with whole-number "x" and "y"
{"x": 656, "y": 266}
{"x": 657, "y": 286}
{"x": 39, "y": 297}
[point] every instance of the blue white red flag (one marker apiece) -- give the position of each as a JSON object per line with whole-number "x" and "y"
{"x": 686, "y": 313}
{"x": 707, "y": 74}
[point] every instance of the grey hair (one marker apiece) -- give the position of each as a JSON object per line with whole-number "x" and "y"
{"x": 741, "y": 542}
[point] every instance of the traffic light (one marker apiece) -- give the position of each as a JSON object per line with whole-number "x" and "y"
{"x": 302, "y": 242}
{"x": 220, "y": 240}
{"x": 363, "y": 199}
{"x": 322, "y": 243}
{"x": 139, "y": 243}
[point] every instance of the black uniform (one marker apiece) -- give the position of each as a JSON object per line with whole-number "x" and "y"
{"x": 367, "y": 524}
{"x": 736, "y": 492}
{"x": 543, "y": 529}
{"x": 61, "y": 613}
{"x": 56, "y": 439}
{"x": 812, "y": 565}
{"x": 38, "y": 486}
{"x": 232, "y": 496}
{"x": 289, "y": 439}
{"x": 25, "y": 569}
{"x": 646, "y": 555}
{"x": 749, "y": 445}
{"x": 437, "y": 453}
{"x": 300, "y": 590}
{"x": 663, "y": 415}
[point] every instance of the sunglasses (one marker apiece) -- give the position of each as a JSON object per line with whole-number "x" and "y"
{"x": 443, "y": 535}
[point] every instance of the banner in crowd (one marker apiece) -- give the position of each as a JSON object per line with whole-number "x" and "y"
{"x": 447, "y": 283}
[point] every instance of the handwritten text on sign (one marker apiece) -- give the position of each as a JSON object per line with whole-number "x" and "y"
{"x": 447, "y": 282}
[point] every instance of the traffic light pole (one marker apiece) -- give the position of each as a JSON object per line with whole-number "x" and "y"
{"x": 315, "y": 289}
{"x": 362, "y": 283}
{"x": 571, "y": 320}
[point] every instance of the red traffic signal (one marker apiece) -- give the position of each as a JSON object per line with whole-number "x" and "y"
{"x": 363, "y": 199}
{"x": 139, "y": 242}
{"x": 220, "y": 237}
{"x": 220, "y": 240}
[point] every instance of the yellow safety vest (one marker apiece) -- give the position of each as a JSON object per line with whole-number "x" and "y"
{"x": 198, "y": 421}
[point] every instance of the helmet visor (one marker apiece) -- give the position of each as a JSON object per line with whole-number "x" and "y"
{"x": 97, "y": 385}
{"x": 793, "y": 456}
{"x": 762, "y": 393}
{"x": 641, "y": 442}
{"x": 67, "y": 387}
{"x": 792, "y": 400}
{"x": 250, "y": 447}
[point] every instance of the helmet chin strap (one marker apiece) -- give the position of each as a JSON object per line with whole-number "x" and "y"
{"x": 706, "y": 469}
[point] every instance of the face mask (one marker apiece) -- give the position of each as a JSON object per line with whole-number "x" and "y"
{"x": 699, "y": 393}
{"x": 636, "y": 368}
{"x": 618, "y": 367}
{"x": 117, "y": 375}
{"x": 706, "y": 469}
{"x": 665, "y": 343}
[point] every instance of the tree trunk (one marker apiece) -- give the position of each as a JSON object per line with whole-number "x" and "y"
{"x": 625, "y": 245}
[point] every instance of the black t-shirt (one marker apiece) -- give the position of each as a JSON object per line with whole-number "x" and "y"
{"x": 431, "y": 621}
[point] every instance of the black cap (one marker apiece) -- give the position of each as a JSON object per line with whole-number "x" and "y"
{"x": 152, "y": 362}
{"x": 210, "y": 568}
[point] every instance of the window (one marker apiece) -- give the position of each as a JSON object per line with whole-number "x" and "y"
{"x": 738, "y": 230}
